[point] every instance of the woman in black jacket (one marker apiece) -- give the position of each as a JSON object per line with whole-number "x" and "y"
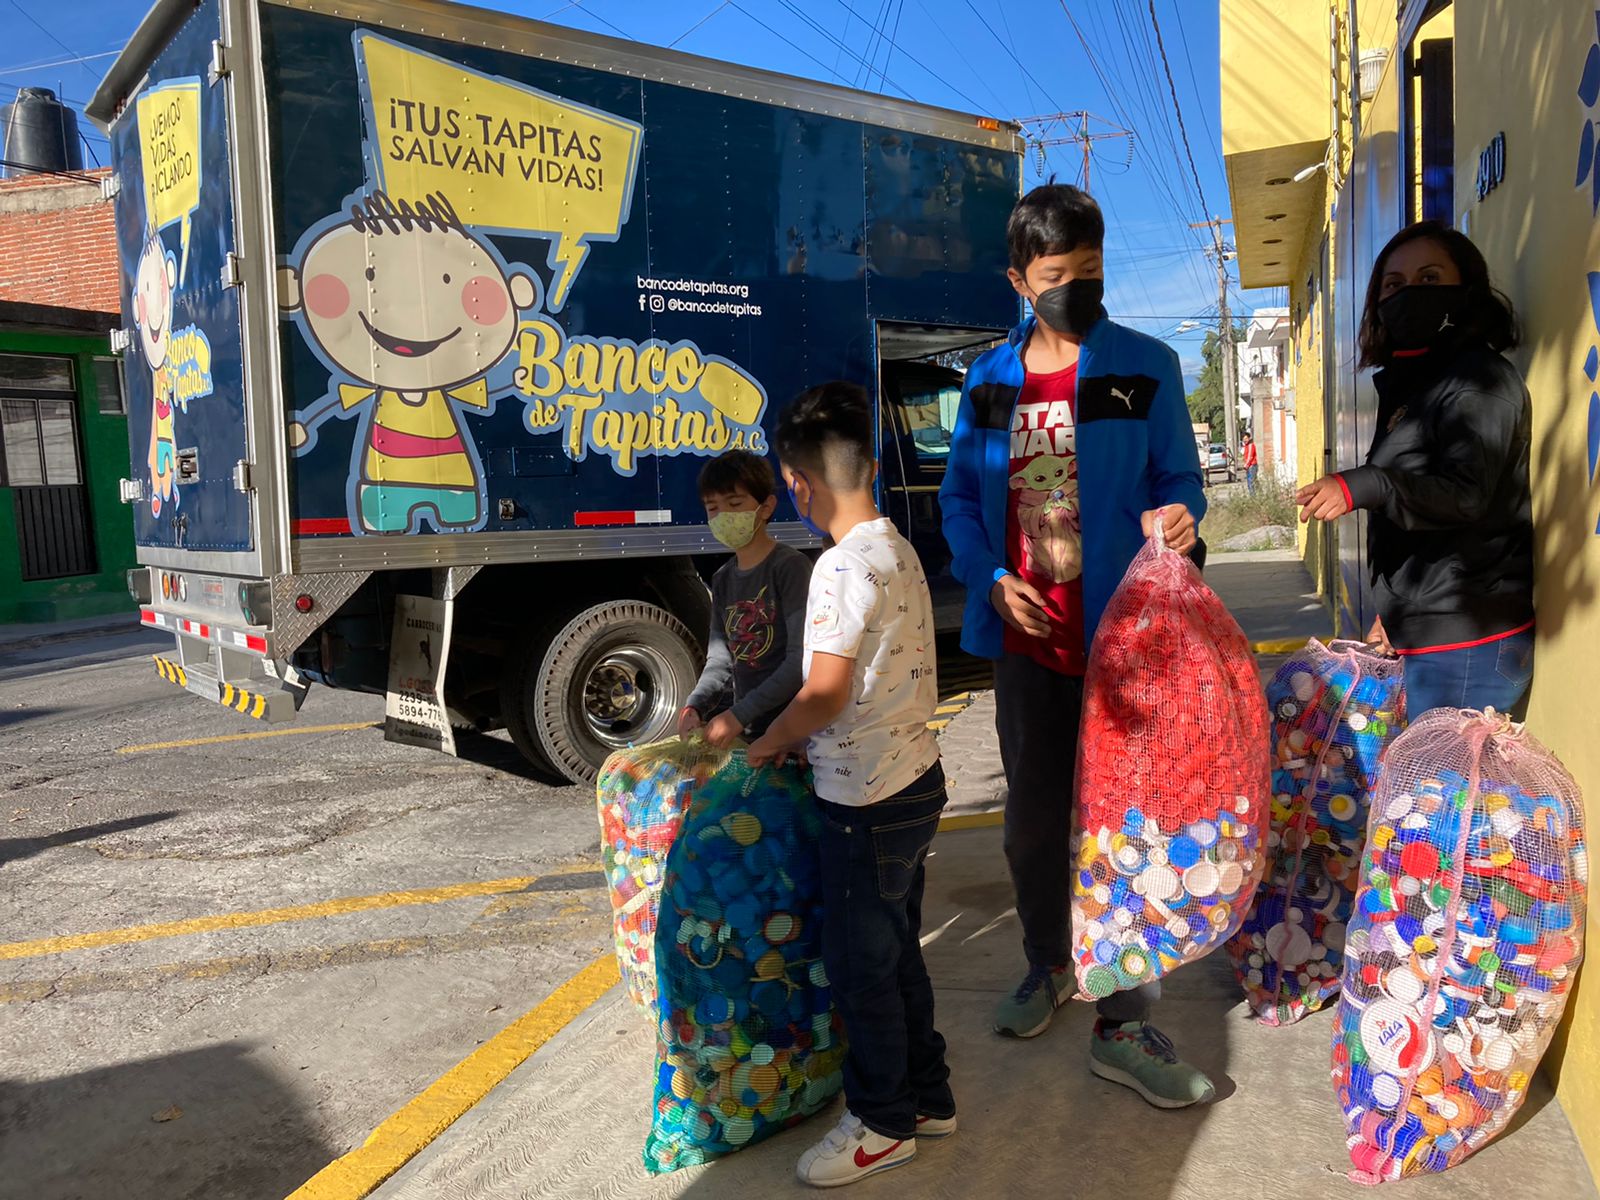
{"x": 1450, "y": 525}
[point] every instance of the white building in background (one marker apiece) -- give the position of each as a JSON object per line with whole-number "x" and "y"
{"x": 1264, "y": 387}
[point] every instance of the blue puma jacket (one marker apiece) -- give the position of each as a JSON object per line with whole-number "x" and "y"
{"x": 1135, "y": 448}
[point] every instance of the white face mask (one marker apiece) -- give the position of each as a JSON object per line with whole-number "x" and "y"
{"x": 733, "y": 529}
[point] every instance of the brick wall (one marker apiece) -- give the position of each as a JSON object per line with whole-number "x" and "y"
{"x": 58, "y": 243}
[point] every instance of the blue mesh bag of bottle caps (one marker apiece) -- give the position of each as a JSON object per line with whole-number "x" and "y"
{"x": 1464, "y": 944}
{"x": 1335, "y": 710}
{"x": 749, "y": 1042}
{"x": 642, "y": 793}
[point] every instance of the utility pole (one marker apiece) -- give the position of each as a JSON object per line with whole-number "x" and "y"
{"x": 1064, "y": 128}
{"x": 1222, "y": 252}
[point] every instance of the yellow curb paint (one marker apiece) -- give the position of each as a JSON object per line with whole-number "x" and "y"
{"x": 402, "y": 1136}
{"x": 1281, "y": 645}
{"x": 248, "y": 737}
{"x": 275, "y": 916}
{"x": 971, "y": 821}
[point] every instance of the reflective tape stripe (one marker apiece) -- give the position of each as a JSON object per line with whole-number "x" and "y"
{"x": 251, "y": 704}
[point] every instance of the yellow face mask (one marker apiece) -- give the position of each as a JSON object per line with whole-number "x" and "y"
{"x": 733, "y": 529}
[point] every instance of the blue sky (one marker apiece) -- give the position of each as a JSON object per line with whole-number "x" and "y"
{"x": 1005, "y": 58}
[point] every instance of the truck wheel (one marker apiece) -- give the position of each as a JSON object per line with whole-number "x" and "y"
{"x": 517, "y": 682}
{"x": 616, "y": 675}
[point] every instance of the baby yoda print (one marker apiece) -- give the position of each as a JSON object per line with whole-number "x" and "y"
{"x": 1047, "y": 511}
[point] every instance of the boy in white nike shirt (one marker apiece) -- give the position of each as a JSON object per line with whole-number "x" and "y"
{"x": 862, "y": 716}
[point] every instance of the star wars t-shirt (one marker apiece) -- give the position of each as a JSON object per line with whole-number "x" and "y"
{"x": 869, "y": 602}
{"x": 1044, "y": 539}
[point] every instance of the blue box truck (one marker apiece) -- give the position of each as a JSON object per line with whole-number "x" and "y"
{"x": 432, "y": 315}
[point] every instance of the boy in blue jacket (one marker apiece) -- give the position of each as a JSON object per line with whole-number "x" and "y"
{"x": 1071, "y": 439}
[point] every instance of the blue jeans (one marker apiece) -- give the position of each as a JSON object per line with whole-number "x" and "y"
{"x": 1494, "y": 675}
{"x": 1250, "y": 474}
{"x": 872, "y": 881}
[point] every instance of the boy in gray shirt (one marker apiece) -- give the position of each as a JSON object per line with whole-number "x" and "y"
{"x": 758, "y": 606}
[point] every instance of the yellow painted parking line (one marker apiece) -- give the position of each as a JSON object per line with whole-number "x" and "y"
{"x": 971, "y": 821}
{"x": 274, "y": 916}
{"x": 402, "y": 1136}
{"x": 249, "y": 737}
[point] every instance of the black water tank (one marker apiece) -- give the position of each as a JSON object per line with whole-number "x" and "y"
{"x": 39, "y": 133}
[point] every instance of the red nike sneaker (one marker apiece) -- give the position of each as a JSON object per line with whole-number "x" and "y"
{"x": 850, "y": 1152}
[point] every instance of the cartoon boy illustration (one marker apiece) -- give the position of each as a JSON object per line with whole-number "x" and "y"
{"x": 1047, "y": 511}
{"x": 416, "y": 312}
{"x": 154, "y": 284}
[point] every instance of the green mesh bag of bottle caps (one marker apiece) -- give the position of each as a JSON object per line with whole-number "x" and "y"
{"x": 749, "y": 1042}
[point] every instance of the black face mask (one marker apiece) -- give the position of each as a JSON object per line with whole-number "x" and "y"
{"x": 1422, "y": 316}
{"x": 1073, "y": 307}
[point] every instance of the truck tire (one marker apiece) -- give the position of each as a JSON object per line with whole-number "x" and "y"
{"x": 616, "y": 675}
{"x": 517, "y": 682}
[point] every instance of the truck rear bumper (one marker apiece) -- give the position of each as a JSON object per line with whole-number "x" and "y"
{"x": 264, "y": 705}
{"x": 225, "y": 666}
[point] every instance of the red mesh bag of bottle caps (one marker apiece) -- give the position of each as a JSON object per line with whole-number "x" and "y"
{"x": 1335, "y": 711}
{"x": 642, "y": 793}
{"x": 1466, "y": 937}
{"x": 1173, "y": 775}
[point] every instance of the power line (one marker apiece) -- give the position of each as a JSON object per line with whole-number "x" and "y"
{"x": 697, "y": 24}
{"x": 1173, "y": 88}
{"x": 999, "y": 104}
{"x": 1194, "y": 77}
{"x": 872, "y": 44}
{"x": 904, "y": 53}
{"x": 578, "y": 4}
{"x": 850, "y": 15}
{"x": 32, "y": 20}
{"x": 1158, "y": 179}
{"x": 1022, "y": 66}
{"x": 59, "y": 62}
{"x": 817, "y": 28}
{"x": 741, "y": 8}
{"x": 76, "y": 176}
{"x": 888, "y": 54}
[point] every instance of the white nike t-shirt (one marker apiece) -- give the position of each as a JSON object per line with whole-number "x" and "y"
{"x": 869, "y": 602}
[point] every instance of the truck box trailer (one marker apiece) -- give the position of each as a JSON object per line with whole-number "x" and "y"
{"x": 432, "y": 316}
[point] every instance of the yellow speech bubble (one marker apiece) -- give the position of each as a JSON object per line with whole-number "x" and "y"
{"x": 509, "y": 158}
{"x": 169, "y": 143}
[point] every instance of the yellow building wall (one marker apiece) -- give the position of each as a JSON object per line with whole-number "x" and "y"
{"x": 1542, "y": 239}
{"x": 1269, "y": 100}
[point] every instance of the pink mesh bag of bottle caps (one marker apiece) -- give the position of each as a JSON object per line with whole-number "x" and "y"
{"x": 1173, "y": 773}
{"x": 641, "y": 794}
{"x": 1335, "y": 711}
{"x": 1466, "y": 937}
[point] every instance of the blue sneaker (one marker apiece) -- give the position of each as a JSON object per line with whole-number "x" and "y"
{"x": 1027, "y": 1012}
{"x": 1140, "y": 1057}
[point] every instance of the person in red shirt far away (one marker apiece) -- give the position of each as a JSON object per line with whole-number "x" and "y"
{"x": 1251, "y": 464}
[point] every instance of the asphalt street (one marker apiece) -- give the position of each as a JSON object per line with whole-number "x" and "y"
{"x": 223, "y": 962}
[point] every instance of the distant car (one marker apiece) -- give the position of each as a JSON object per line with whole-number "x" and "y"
{"x": 1218, "y": 464}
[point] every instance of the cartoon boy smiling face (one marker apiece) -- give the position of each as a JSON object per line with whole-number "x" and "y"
{"x": 406, "y": 299}
{"x": 152, "y": 301}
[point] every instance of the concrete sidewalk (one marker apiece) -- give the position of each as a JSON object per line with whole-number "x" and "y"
{"x": 43, "y": 633}
{"x": 572, "y": 1120}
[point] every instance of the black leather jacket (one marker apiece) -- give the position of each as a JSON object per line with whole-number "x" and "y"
{"x": 1450, "y": 524}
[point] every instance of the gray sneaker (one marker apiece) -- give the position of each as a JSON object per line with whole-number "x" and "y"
{"x": 1027, "y": 1011}
{"x": 1140, "y": 1057}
